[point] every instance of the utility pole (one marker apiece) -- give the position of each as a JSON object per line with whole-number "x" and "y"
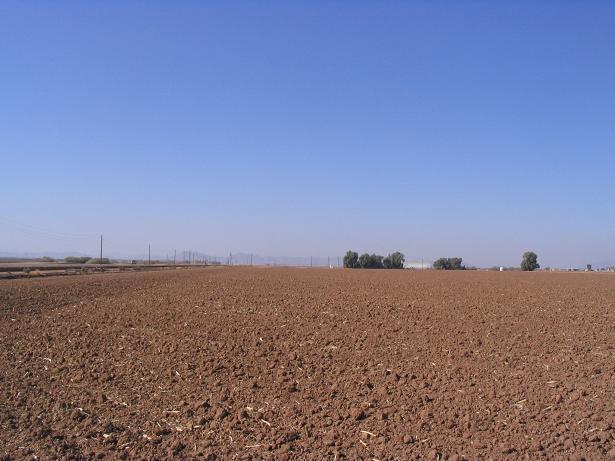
{"x": 338, "y": 261}
{"x": 230, "y": 259}
{"x": 149, "y": 254}
{"x": 174, "y": 256}
{"x": 310, "y": 261}
{"x": 250, "y": 260}
{"x": 100, "y": 261}
{"x": 328, "y": 261}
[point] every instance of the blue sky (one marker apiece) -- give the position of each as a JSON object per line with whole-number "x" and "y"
{"x": 472, "y": 129}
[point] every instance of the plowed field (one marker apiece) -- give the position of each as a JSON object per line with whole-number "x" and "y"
{"x": 263, "y": 363}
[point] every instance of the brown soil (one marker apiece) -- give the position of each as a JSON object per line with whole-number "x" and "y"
{"x": 240, "y": 363}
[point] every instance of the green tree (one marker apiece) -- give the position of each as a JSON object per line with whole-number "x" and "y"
{"x": 449, "y": 264}
{"x": 440, "y": 264}
{"x": 529, "y": 261}
{"x": 376, "y": 261}
{"x": 394, "y": 261}
{"x": 373, "y": 261}
{"x": 456, "y": 264}
{"x": 351, "y": 259}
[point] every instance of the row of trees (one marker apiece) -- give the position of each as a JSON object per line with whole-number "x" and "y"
{"x": 528, "y": 263}
{"x": 396, "y": 260}
{"x": 352, "y": 260}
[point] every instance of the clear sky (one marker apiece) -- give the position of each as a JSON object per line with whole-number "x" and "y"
{"x": 472, "y": 129}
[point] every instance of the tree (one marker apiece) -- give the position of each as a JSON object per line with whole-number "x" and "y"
{"x": 373, "y": 261}
{"x": 351, "y": 259}
{"x": 449, "y": 264}
{"x": 529, "y": 261}
{"x": 364, "y": 261}
{"x": 394, "y": 261}
{"x": 456, "y": 264}
{"x": 441, "y": 264}
{"x": 376, "y": 261}
{"x": 99, "y": 261}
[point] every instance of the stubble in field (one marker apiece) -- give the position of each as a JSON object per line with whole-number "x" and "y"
{"x": 255, "y": 363}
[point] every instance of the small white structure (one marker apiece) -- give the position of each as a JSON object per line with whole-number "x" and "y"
{"x": 417, "y": 265}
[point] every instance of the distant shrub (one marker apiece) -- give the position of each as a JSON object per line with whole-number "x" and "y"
{"x": 448, "y": 264}
{"x": 98, "y": 261}
{"x": 47, "y": 259}
{"x": 77, "y": 259}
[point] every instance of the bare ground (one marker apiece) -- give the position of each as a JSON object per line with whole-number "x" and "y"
{"x": 254, "y": 363}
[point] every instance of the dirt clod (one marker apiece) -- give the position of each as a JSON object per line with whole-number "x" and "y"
{"x": 302, "y": 364}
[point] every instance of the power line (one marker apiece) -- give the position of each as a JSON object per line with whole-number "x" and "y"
{"x": 39, "y": 230}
